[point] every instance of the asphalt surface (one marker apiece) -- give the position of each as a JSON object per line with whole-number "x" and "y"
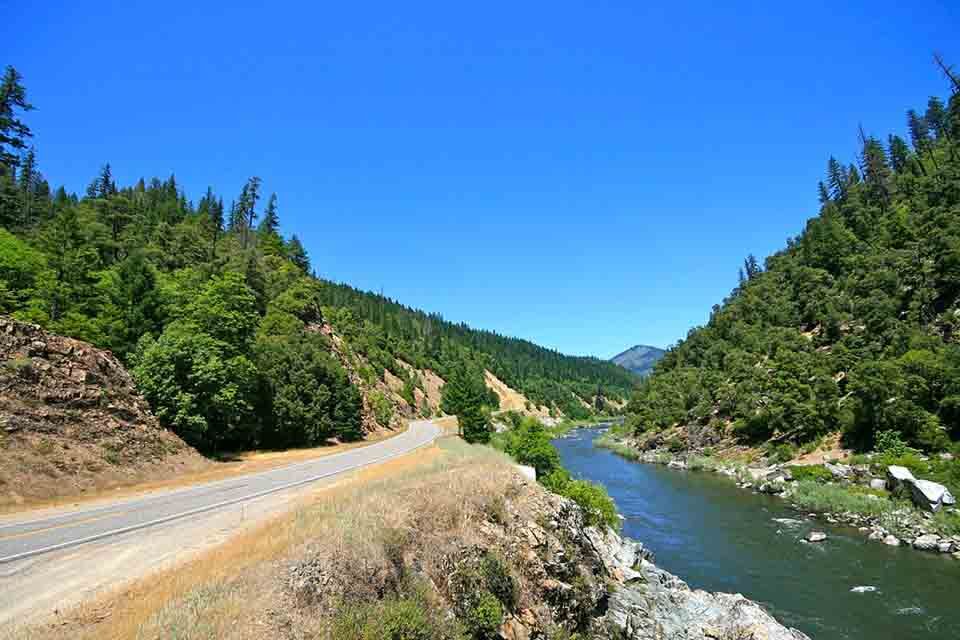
{"x": 27, "y": 538}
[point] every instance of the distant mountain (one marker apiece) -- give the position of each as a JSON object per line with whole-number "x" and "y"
{"x": 639, "y": 359}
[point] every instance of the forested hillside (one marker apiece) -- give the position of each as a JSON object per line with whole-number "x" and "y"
{"x": 220, "y": 317}
{"x": 852, "y": 326}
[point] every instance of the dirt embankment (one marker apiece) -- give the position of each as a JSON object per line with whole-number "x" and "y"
{"x": 72, "y": 422}
{"x": 513, "y": 400}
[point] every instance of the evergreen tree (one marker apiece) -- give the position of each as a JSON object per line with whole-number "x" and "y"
{"x": 297, "y": 254}
{"x": 13, "y": 132}
{"x": 27, "y": 182}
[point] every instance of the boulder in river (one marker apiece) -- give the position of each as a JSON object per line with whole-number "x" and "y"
{"x": 892, "y": 541}
{"x": 815, "y": 536}
{"x": 930, "y": 495}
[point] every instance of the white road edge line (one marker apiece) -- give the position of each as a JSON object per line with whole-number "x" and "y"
{"x": 225, "y": 503}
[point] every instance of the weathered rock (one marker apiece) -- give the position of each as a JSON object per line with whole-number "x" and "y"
{"x": 527, "y": 472}
{"x": 677, "y": 464}
{"x": 945, "y": 547}
{"x": 878, "y": 483}
{"x": 661, "y": 606}
{"x": 898, "y": 479}
{"x": 815, "y": 536}
{"x": 930, "y": 495}
{"x": 892, "y": 541}
{"x": 927, "y": 542}
{"x": 839, "y": 471}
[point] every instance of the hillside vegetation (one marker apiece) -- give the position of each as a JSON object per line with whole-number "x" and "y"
{"x": 229, "y": 334}
{"x": 852, "y": 326}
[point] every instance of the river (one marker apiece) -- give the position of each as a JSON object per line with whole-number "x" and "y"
{"x": 715, "y": 536}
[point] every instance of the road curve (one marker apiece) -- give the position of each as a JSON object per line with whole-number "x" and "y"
{"x": 26, "y": 538}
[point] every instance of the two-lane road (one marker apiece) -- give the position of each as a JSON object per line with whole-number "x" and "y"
{"x": 25, "y": 538}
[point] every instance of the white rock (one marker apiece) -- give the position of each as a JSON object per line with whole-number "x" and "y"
{"x": 677, "y": 464}
{"x": 839, "y": 471}
{"x": 897, "y": 476}
{"x": 815, "y": 536}
{"x": 930, "y": 495}
{"x": 878, "y": 483}
{"x": 892, "y": 541}
{"x": 527, "y": 472}
{"x": 927, "y": 542}
{"x": 945, "y": 547}
{"x": 863, "y": 589}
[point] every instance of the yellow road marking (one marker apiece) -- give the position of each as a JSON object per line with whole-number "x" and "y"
{"x": 26, "y": 534}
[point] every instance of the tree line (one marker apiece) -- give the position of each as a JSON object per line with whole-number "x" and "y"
{"x": 853, "y": 326}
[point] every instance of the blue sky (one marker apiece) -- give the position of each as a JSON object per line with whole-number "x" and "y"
{"x": 587, "y": 175}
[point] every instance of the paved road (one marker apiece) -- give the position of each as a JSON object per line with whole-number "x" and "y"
{"x": 28, "y": 538}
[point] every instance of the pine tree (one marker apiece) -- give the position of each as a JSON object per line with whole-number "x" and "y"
{"x": 919, "y": 137}
{"x": 837, "y": 179}
{"x": 297, "y": 254}
{"x": 269, "y": 240}
{"x": 13, "y": 132}
{"x": 899, "y": 153}
{"x": 876, "y": 170}
{"x": 27, "y": 185}
{"x": 271, "y": 220}
{"x": 822, "y": 194}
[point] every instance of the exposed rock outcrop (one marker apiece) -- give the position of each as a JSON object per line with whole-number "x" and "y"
{"x": 71, "y": 420}
{"x": 565, "y": 575}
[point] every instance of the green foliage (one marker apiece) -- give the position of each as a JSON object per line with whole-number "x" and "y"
{"x": 465, "y": 395}
{"x": 199, "y": 387}
{"x": 810, "y": 495}
{"x": 598, "y": 507}
{"x": 528, "y": 442}
{"x": 397, "y": 617}
{"x": 784, "y": 452}
{"x": 499, "y": 582}
{"x": 812, "y": 473}
{"x": 483, "y": 617}
{"x": 889, "y": 443}
{"x": 382, "y": 408}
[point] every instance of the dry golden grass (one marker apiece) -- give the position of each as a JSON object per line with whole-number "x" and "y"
{"x": 240, "y": 464}
{"x": 236, "y": 590}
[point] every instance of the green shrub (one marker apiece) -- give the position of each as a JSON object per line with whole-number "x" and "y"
{"x": 407, "y": 617}
{"x": 889, "y": 442}
{"x": 382, "y": 408}
{"x": 499, "y": 582}
{"x": 484, "y": 617}
{"x": 811, "y": 495}
{"x": 784, "y": 452}
{"x": 598, "y": 507}
{"x": 813, "y": 472}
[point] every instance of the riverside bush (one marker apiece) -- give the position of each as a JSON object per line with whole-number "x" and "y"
{"x": 813, "y": 472}
{"x": 811, "y": 495}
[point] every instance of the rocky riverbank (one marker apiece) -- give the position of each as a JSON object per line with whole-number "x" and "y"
{"x": 894, "y": 509}
{"x": 525, "y": 566}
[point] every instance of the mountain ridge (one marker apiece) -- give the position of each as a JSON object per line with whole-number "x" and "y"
{"x": 639, "y": 358}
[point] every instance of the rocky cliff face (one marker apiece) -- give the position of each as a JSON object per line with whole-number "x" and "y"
{"x": 71, "y": 420}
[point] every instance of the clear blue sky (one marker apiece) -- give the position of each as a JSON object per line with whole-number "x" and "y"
{"x": 588, "y": 175}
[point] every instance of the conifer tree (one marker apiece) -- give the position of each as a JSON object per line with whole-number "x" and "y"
{"x": 297, "y": 254}
{"x": 13, "y": 132}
